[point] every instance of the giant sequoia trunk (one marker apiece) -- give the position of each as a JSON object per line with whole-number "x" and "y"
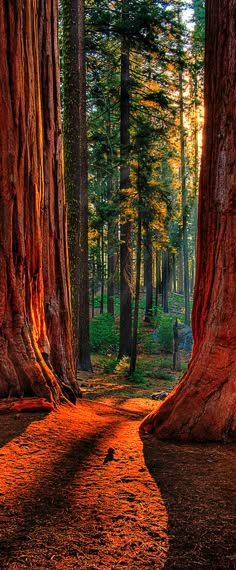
{"x": 35, "y": 317}
{"x": 203, "y": 406}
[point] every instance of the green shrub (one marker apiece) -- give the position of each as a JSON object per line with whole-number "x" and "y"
{"x": 166, "y": 362}
{"x": 165, "y": 333}
{"x": 137, "y": 377}
{"x": 122, "y": 368}
{"x": 109, "y": 365}
{"x": 149, "y": 344}
{"x": 103, "y": 334}
{"x": 162, "y": 375}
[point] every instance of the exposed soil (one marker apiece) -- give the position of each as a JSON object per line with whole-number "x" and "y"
{"x": 67, "y": 503}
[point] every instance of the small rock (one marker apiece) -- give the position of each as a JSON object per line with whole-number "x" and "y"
{"x": 159, "y": 395}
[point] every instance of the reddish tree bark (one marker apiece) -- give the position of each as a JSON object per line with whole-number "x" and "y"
{"x": 203, "y": 406}
{"x": 35, "y": 316}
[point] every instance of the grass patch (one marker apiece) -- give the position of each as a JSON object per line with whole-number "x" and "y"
{"x": 165, "y": 362}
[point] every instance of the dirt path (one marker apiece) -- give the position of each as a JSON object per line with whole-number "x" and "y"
{"x": 156, "y": 505}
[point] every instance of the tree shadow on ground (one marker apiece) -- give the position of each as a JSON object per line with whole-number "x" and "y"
{"x": 48, "y": 501}
{"x": 15, "y": 424}
{"x": 197, "y": 483}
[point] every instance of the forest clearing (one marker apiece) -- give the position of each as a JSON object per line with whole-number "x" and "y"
{"x": 156, "y": 505}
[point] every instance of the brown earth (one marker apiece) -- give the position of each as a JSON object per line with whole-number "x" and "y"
{"x": 155, "y": 505}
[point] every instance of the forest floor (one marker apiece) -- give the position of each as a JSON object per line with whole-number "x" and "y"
{"x": 66, "y": 503}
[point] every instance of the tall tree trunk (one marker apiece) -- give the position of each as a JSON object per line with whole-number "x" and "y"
{"x": 83, "y": 362}
{"x": 180, "y": 271}
{"x": 35, "y": 314}
{"x": 110, "y": 231}
{"x": 93, "y": 285}
{"x": 165, "y": 281}
{"x": 158, "y": 278}
{"x": 102, "y": 272}
{"x": 125, "y": 227}
{"x": 184, "y": 200}
{"x": 174, "y": 271}
{"x": 111, "y": 264}
{"x": 71, "y": 129}
{"x": 203, "y": 406}
{"x": 137, "y": 295}
{"x": 148, "y": 272}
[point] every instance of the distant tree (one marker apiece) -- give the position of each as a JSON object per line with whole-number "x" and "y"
{"x": 35, "y": 313}
{"x": 84, "y": 361}
{"x": 71, "y": 130}
{"x": 125, "y": 226}
{"x": 203, "y": 406}
{"x": 76, "y": 172}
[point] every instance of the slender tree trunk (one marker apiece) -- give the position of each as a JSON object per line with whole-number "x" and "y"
{"x": 102, "y": 272}
{"x": 148, "y": 272}
{"x": 137, "y": 286}
{"x": 184, "y": 201}
{"x": 83, "y": 362}
{"x": 203, "y": 406}
{"x": 196, "y": 162}
{"x": 174, "y": 271}
{"x": 35, "y": 314}
{"x": 158, "y": 278}
{"x": 180, "y": 271}
{"x": 111, "y": 226}
{"x": 125, "y": 227}
{"x": 165, "y": 281}
{"x": 111, "y": 270}
{"x": 93, "y": 284}
{"x": 71, "y": 128}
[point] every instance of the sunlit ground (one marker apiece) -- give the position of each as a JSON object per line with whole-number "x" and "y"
{"x": 155, "y": 505}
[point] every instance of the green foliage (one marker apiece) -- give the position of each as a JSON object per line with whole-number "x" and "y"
{"x": 149, "y": 344}
{"x": 148, "y": 368}
{"x": 103, "y": 334}
{"x": 109, "y": 365}
{"x": 137, "y": 377}
{"x": 165, "y": 333}
{"x": 166, "y": 362}
{"x": 122, "y": 368}
{"x": 163, "y": 375}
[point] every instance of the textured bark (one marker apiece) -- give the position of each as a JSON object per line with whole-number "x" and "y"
{"x": 35, "y": 335}
{"x": 203, "y": 406}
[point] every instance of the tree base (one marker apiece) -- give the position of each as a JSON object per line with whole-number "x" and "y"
{"x": 203, "y": 406}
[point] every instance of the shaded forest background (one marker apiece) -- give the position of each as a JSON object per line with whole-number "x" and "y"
{"x": 144, "y": 90}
